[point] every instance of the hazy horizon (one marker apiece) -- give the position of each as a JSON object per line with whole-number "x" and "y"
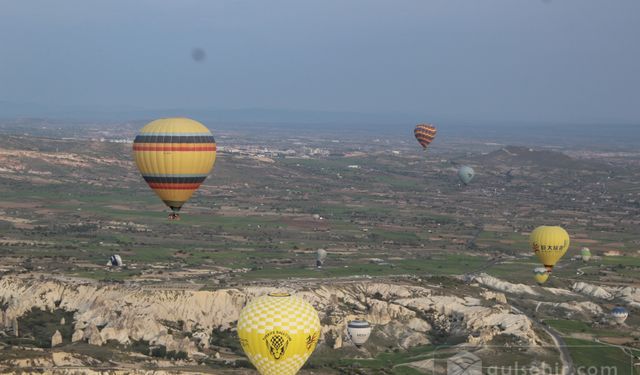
{"x": 571, "y": 61}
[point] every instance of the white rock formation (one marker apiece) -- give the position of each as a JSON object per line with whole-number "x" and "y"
{"x": 592, "y": 290}
{"x": 494, "y": 296}
{"x": 56, "y": 339}
{"x": 630, "y": 295}
{"x": 92, "y": 335}
{"x": 504, "y": 286}
{"x": 78, "y": 335}
{"x": 574, "y": 309}
{"x": 406, "y": 314}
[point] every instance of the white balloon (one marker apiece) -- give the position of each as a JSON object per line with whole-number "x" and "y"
{"x": 359, "y": 331}
{"x": 321, "y": 256}
{"x": 115, "y": 261}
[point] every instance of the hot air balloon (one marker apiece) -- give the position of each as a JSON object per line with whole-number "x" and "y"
{"x": 174, "y": 155}
{"x": 115, "y": 261}
{"x": 540, "y": 274}
{"x": 549, "y": 244}
{"x": 466, "y": 174}
{"x": 425, "y": 133}
{"x": 585, "y": 253}
{"x": 359, "y": 331}
{"x": 619, "y": 314}
{"x": 278, "y": 333}
{"x": 321, "y": 256}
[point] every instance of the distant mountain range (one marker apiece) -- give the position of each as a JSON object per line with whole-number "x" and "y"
{"x": 244, "y": 115}
{"x": 377, "y": 124}
{"x": 518, "y": 157}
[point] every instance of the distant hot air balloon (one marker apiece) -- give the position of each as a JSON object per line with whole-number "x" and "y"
{"x": 321, "y": 256}
{"x": 549, "y": 244}
{"x": 115, "y": 261}
{"x": 425, "y": 133}
{"x": 466, "y": 174}
{"x": 540, "y": 274}
{"x": 585, "y": 253}
{"x": 278, "y": 333}
{"x": 174, "y": 155}
{"x": 359, "y": 331}
{"x": 619, "y": 314}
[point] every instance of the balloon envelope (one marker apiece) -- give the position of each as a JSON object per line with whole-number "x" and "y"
{"x": 321, "y": 255}
{"x": 541, "y": 275}
{"x": 466, "y": 174}
{"x": 359, "y": 331}
{"x": 115, "y": 261}
{"x": 278, "y": 333}
{"x": 585, "y": 253}
{"x": 174, "y": 156}
{"x": 425, "y": 133}
{"x": 549, "y": 244}
{"x": 619, "y": 314}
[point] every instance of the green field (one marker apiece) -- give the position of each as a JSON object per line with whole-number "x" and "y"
{"x": 392, "y": 360}
{"x": 567, "y": 327}
{"x": 602, "y": 358}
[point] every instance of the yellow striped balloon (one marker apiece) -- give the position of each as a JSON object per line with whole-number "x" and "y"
{"x": 174, "y": 155}
{"x": 278, "y": 333}
{"x": 549, "y": 244}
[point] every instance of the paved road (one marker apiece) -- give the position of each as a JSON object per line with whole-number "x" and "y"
{"x": 558, "y": 341}
{"x": 565, "y": 356}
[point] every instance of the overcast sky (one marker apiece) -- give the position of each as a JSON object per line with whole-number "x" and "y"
{"x": 485, "y": 60}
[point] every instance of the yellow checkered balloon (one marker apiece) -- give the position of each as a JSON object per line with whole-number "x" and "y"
{"x": 278, "y": 332}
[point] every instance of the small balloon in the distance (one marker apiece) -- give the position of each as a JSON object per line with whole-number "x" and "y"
{"x": 198, "y": 54}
